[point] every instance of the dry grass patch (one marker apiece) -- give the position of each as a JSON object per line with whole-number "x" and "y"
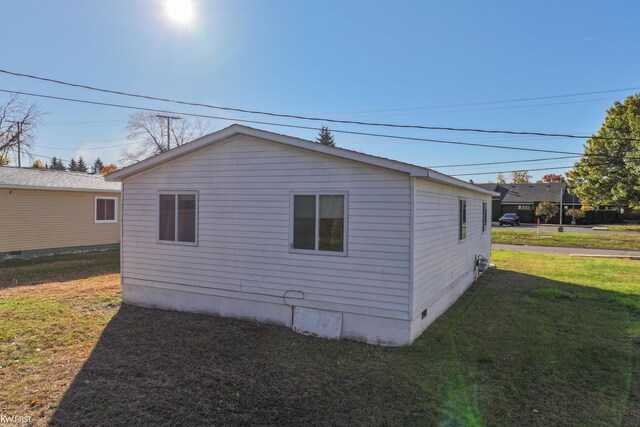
{"x": 47, "y": 330}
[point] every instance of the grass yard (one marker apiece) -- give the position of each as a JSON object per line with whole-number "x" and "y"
{"x": 624, "y": 227}
{"x": 541, "y": 340}
{"x": 513, "y": 236}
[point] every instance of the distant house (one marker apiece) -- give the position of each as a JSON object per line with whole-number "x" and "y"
{"x": 328, "y": 241}
{"x": 45, "y": 210}
{"x": 523, "y": 198}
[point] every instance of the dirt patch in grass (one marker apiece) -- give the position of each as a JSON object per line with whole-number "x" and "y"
{"x": 512, "y": 351}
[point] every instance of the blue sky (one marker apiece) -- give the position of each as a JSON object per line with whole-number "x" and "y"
{"x": 392, "y": 61}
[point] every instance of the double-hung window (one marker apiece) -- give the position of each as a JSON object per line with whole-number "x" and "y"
{"x": 105, "y": 210}
{"x": 484, "y": 216}
{"x": 319, "y": 222}
{"x": 462, "y": 215}
{"x": 178, "y": 217}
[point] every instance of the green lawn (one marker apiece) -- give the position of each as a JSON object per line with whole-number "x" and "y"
{"x": 541, "y": 340}
{"x": 624, "y": 227}
{"x": 514, "y": 236}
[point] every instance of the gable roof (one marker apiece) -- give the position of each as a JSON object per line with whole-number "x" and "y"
{"x": 48, "y": 179}
{"x": 235, "y": 130}
{"x": 530, "y": 193}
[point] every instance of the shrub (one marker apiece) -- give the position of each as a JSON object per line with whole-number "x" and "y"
{"x": 547, "y": 210}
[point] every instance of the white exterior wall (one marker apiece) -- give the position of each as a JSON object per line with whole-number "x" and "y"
{"x": 443, "y": 265}
{"x": 242, "y": 265}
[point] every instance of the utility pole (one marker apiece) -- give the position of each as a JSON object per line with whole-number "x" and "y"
{"x": 560, "y": 228}
{"x": 169, "y": 118}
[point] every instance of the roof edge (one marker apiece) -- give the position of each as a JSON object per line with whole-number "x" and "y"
{"x": 236, "y": 129}
{"x": 41, "y": 187}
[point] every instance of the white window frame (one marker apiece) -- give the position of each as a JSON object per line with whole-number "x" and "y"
{"x": 115, "y": 210}
{"x": 466, "y": 229}
{"x": 177, "y": 193}
{"x": 345, "y": 228}
{"x": 485, "y": 217}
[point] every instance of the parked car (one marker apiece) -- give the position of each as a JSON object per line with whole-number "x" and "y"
{"x": 509, "y": 219}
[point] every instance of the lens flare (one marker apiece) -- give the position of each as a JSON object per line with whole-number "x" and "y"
{"x": 180, "y": 11}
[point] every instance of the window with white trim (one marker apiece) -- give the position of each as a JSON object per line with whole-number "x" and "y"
{"x": 484, "y": 216}
{"x": 462, "y": 215}
{"x": 178, "y": 217}
{"x": 104, "y": 211}
{"x": 318, "y": 222}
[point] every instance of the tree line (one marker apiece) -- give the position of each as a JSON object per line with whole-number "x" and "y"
{"x": 76, "y": 166}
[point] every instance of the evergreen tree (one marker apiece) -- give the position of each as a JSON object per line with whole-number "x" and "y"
{"x": 73, "y": 166}
{"x": 325, "y": 137}
{"x": 82, "y": 166}
{"x": 97, "y": 166}
{"x": 57, "y": 164}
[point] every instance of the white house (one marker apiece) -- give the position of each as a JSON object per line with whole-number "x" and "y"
{"x": 253, "y": 224}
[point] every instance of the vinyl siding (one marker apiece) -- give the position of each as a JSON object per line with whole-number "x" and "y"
{"x": 440, "y": 259}
{"x": 244, "y": 188}
{"x": 47, "y": 219}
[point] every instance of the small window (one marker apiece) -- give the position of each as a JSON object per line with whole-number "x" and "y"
{"x": 105, "y": 210}
{"x": 177, "y": 217}
{"x": 484, "y": 216}
{"x": 462, "y": 215}
{"x": 319, "y": 223}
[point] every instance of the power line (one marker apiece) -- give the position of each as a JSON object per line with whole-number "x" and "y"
{"x": 503, "y": 101}
{"x": 301, "y": 117}
{"x": 47, "y": 157}
{"x": 508, "y": 107}
{"x": 231, "y": 119}
{"x": 504, "y": 162}
{"x": 88, "y": 148}
{"x": 527, "y": 170}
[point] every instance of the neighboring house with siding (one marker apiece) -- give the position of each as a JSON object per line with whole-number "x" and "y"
{"x": 44, "y": 211}
{"x": 332, "y": 242}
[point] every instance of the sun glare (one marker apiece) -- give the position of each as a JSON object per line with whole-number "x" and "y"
{"x": 180, "y": 11}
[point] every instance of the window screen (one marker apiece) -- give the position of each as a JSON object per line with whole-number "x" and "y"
{"x": 319, "y": 222}
{"x": 463, "y": 219}
{"x": 484, "y": 216}
{"x": 105, "y": 209}
{"x": 331, "y": 223}
{"x": 187, "y": 218}
{"x": 177, "y": 217}
{"x": 167, "y": 217}
{"x": 304, "y": 222}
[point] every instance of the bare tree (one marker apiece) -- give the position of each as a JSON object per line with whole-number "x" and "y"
{"x": 150, "y": 132}
{"x": 18, "y": 123}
